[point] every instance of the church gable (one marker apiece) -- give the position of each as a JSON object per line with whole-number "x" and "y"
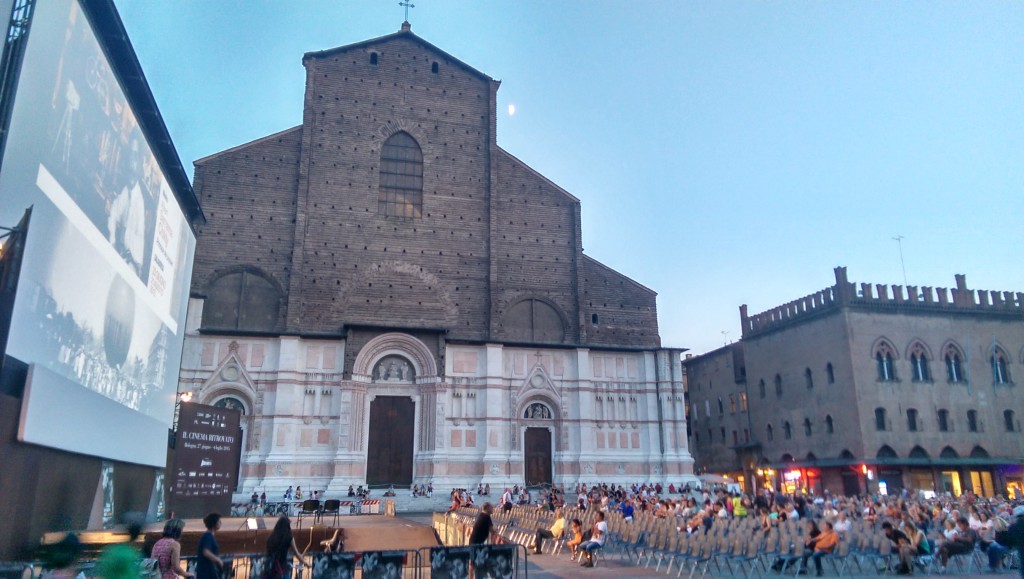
{"x": 381, "y": 45}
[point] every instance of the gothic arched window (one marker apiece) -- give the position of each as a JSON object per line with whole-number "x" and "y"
{"x": 954, "y": 363}
{"x": 1000, "y": 375}
{"x": 830, "y": 426}
{"x": 884, "y": 356}
{"x": 401, "y": 178}
{"x": 919, "y": 363}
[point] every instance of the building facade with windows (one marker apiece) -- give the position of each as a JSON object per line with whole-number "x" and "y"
{"x": 391, "y": 298}
{"x": 866, "y": 387}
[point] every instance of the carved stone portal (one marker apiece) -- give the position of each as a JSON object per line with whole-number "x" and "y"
{"x": 393, "y": 369}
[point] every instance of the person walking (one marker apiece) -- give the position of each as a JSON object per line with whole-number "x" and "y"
{"x": 208, "y": 561}
{"x": 167, "y": 551}
{"x": 483, "y": 525}
{"x": 280, "y": 549}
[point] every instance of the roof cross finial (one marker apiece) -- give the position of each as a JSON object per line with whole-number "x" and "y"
{"x": 407, "y": 4}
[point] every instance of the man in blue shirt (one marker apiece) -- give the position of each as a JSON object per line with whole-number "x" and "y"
{"x": 208, "y": 561}
{"x": 627, "y": 510}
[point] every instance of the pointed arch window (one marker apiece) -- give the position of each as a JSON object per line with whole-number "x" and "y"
{"x": 943, "y": 417}
{"x": 761, "y": 388}
{"x": 778, "y": 386}
{"x": 954, "y": 364}
{"x": 401, "y": 178}
{"x": 809, "y": 378}
{"x": 997, "y": 360}
{"x": 972, "y": 420}
{"x": 919, "y": 363}
{"x": 770, "y": 432}
{"x": 830, "y": 426}
{"x": 884, "y": 357}
{"x": 830, "y": 373}
{"x": 1008, "y": 421}
{"x": 787, "y": 430}
{"x": 807, "y": 427}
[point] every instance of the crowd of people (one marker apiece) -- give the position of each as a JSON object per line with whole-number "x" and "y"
{"x": 941, "y": 526}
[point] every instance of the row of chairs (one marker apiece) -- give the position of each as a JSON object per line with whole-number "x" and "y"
{"x": 731, "y": 546}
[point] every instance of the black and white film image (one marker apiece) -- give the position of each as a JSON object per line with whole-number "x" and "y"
{"x": 494, "y": 561}
{"x": 334, "y": 566}
{"x": 450, "y": 563}
{"x": 383, "y": 564}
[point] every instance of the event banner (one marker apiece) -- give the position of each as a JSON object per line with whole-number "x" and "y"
{"x": 206, "y": 451}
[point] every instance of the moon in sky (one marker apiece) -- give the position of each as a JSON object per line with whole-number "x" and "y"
{"x": 511, "y": 110}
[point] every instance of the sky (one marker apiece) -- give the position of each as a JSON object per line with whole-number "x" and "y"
{"x": 725, "y": 153}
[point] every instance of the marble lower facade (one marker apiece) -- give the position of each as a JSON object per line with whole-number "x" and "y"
{"x": 491, "y": 413}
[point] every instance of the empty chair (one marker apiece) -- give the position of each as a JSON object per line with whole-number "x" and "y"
{"x": 331, "y": 507}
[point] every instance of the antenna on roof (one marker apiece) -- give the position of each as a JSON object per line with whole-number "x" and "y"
{"x": 407, "y": 5}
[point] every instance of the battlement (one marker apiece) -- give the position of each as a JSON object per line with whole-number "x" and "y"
{"x": 892, "y": 298}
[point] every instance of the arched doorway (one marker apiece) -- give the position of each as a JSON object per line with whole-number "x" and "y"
{"x": 537, "y": 445}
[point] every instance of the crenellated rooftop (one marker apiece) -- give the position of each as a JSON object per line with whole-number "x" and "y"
{"x": 882, "y": 297}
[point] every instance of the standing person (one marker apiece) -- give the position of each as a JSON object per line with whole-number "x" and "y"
{"x": 597, "y": 537}
{"x": 483, "y": 525}
{"x": 208, "y": 561}
{"x": 280, "y": 548}
{"x": 167, "y": 551}
{"x": 506, "y": 500}
{"x": 556, "y": 531}
{"x": 263, "y": 498}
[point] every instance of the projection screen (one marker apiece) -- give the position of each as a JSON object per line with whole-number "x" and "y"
{"x": 100, "y": 309}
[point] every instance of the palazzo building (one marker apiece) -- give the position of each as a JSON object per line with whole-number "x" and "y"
{"x": 861, "y": 388}
{"x": 391, "y": 298}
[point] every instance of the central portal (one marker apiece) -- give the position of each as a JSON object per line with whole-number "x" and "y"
{"x": 538, "y": 456}
{"x": 390, "y": 445}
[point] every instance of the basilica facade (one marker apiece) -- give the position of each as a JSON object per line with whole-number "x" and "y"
{"x": 391, "y": 298}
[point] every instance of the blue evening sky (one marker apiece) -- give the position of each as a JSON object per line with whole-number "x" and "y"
{"x": 724, "y": 152}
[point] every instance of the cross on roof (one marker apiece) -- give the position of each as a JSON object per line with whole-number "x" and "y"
{"x": 407, "y": 4}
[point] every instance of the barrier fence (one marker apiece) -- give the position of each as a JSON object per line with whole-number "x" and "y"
{"x": 504, "y": 561}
